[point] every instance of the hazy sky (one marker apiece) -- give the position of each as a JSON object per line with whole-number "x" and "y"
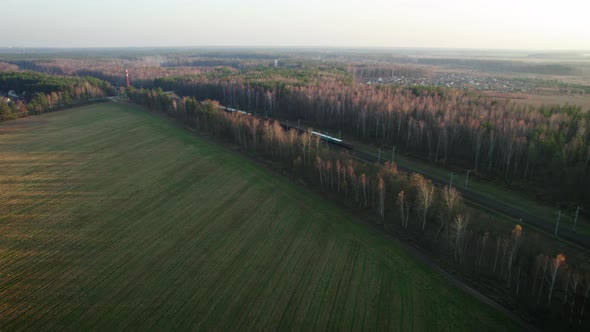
{"x": 520, "y": 24}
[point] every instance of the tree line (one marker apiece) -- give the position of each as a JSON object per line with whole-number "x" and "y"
{"x": 42, "y": 93}
{"x": 544, "y": 149}
{"x": 504, "y": 263}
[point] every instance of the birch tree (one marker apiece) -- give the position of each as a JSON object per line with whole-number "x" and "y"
{"x": 460, "y": 226}
{"x": 484, "y": 240}
{"x": 554, "y": 267}
{"x": 516, "y": 236}
{"x": 381, "y": 188}
{"x": 404, "y": 209}
{"x": 425, "y": 195}
{"x": 320, "y": 165}
{"x": 364, "y": 184}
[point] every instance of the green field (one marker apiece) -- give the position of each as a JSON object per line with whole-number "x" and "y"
{"x": 111, "y": 218}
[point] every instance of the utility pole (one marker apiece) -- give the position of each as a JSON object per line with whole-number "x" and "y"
{"x": 451, "y": 184}
{"x": 467, "y": 178}
{"x": 557, "y": 225}
{"x": 339, "y": 133}
{"x": 379, "y": 157}
{"x": 576, "y": 218}
{"x": 393, "y": 155}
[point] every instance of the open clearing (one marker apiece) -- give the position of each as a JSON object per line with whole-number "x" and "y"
{"x": 112, "y": 218}
{"x": 537, "y": 100}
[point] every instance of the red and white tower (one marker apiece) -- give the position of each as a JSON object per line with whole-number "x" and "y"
{"x": 127, "y": 77}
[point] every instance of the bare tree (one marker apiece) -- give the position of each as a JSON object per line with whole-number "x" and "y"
{"x": 516, "y": 236}
{"x": 518, "y": 279}
{"x": 353, "y": 181}
{"x": 364, "y": 113}
{"x": 498, "y": 243}
{"x": 253, "y": 126}
{"x": 566, "y": 286}
{"x": 576, "y": 278}
{"x": 545, "y": 265}
{"x": 319, "y": 164}
{"x": 381, "y": 187}
{"x": 338, "y": 172}
{"x": 270, "y": 98}
{"x": 537, "y": 265}
{"x": 460, "y": 226}
{"x": 484, "y": 240}
{"x": 329, "y": 174}
{"x": 304, "y": 144}
{"x": 477, "y": 144}
{"x": 492, "y": 142}
{"x": 586, "y": 294}
{"x": 317, "y": 144}
{"x": 292, "y": 139}
{"x": 554, "y": 267}
{"x": 364, "y": 184}
{"x": 505, "y": 245}
{"x": 451, "y": 200}
{"x": 404, "y": 209}
{"x": 425, "y": 195}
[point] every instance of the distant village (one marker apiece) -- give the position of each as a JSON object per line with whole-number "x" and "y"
{"x": 459, "y": 81}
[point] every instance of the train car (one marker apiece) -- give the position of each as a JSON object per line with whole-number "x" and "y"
{"x": 332, "y": 140}
{"x": 233, "y": 110}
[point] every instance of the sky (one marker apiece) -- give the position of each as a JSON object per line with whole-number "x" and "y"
{"x": 497, "y": 24}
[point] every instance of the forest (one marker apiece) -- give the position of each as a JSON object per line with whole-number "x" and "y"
{"x": 510, "y": 264}
{"x": 40, "y": 93}
{"x": 545, "y": 150}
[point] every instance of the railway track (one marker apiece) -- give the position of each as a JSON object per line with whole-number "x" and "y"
{"x": 516, "y": 215}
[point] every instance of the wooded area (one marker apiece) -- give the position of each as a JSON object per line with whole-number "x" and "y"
{"x": 545, "y": 149}
{"x": 40, "y": 93}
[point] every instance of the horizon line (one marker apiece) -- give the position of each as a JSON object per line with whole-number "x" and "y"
{"x": 294, "y": 47}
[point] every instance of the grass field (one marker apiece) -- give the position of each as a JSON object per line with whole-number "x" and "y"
{"x": 111, "y": 218}
{"x": 552, "y": 99}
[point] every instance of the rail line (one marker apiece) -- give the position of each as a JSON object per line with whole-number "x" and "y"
{"x": 519, "y": 216}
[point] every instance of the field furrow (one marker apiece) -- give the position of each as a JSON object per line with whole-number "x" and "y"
{"x": 112, "y": 218}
